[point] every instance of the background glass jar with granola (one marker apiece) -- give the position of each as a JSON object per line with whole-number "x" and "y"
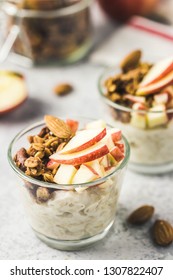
{"x": 139, "y": 100}
{"x": 50, "y": 31}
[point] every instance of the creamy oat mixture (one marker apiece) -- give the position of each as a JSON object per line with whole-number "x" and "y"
{"x": 72, "y": 215}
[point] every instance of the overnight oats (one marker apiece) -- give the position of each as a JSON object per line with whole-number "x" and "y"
{"x": 139, "y": 100}
{"x": 72, "y": 173}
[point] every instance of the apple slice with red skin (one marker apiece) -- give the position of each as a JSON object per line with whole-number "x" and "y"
{"x": 113, "y": 135}
{"x": 135, "y": 99}
{"x": 94, "y": 152}
{"x": 83, "y": 140}
{"x": 117, "y": 154}
{"x": 157, "y": 86}
{"x": 84, "y": 174}
{"x": 73, "y": 125}
{"x": 120, "y": 146}
{"x": 157, "y": 72}
{"x": 13, "y": 91}
{"x": 52, "y": 164}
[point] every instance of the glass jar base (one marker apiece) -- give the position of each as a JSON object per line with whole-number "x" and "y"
{"x": 151, "y": 169}
{"x": 72, "y": 245}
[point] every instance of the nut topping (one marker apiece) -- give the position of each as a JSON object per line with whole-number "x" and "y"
{"x": 58, "y": 127}
{"x": 131, "y": 61}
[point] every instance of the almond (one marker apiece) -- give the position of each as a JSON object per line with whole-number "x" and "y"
{"x": 131, "y": 61}
{"x": 141, "y": 215}
{"x": 162, "y": 232}
{"x": 63, "y": 89}
{"x": 58, "y": 127}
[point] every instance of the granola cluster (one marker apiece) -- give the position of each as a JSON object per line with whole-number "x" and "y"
{"x": 127, "y": 82}
{"x": 34, "y": 160}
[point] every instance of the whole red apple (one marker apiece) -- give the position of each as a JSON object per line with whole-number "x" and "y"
{"x": 122, "y": 10}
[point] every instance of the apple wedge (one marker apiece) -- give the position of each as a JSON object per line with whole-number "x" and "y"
{"x": 84, "y": 174}
{"x": 158, "y": 71}
{"x": 96, "y": 167}
{"x": 161, "y": 98}
{"x": 94, "y": 152}
{"x": 83, "y": 140}
{"x": 13, "y": 91}
{"x": 72, "y": 124}
{"x": 117, "y": 154}
{"x": 157, "y": 86}
{"x": 113, "y": 135}
{"x": 135, "y": 99}
{"x": 52, "y": 164}
{"x": 65, "y": 174}
{"x": 96, "y": 124}
{"x": 138, "y": 119}
{"x": 157, "y": 116}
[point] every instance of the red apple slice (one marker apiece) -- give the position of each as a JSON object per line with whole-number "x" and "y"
{"x": 95, "y": 167}
{"x": 13, "y": 91}
{"x": 117, "y": 154}
{"x": 113, "y": 135}
{"x": 135, "y": 99}
{"x": 84, "y": 174}
{"x": 83, "y": 140}
{"x": 73, "y": 125}
{"x": 52, "y": 164}
{"x": 157, "y": 72}
{"x": 92, "y": 153}
{"x": 157, "y": 86}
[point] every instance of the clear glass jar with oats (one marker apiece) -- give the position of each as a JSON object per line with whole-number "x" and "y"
{"x": 139, "y": 100}
{"x": 71, "y": 179}
{"x": 50, "y": 31}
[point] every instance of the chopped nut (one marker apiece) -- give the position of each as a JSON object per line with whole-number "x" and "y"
{"x": 43, "y": 132}
{"x": 30, "y": 139}
{"x": 37, "y": 139}
{"x": 20, "y": 158}
{"x": 48, "y": 177}
{"x": 32, "y": 162}
{"x": 63, "y": 89}
{"x": 131, "y": 61}
{"x": 40, "y": 154}
{"x": 42, "y": 194}
{"x": 38, "y": 146}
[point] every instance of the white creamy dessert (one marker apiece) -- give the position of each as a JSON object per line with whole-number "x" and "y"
{"x": 72, "y": 215}
{"x": 149, "y": 146}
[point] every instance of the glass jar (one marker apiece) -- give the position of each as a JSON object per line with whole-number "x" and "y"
{"x": 151, "y": 147}
{"x": 50, "y": 31}
{"x": 74, "y": 216}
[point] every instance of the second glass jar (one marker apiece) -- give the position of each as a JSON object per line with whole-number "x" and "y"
{"x": 50, "y": 31}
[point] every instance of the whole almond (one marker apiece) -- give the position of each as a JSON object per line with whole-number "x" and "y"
{"x": 58, "y": 127}
{"x": 63, "y": 89}
{"x": 131, "y": 61}
{"x": 162, "y": 232}
{"x": 141, "y": 215}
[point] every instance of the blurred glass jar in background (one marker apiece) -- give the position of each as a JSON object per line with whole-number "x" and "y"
{"x": 57, "y": 31}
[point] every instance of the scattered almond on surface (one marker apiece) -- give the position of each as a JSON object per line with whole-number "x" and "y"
{"x": 63, "y": 89}
{"x": 162, "y": 232}
{"x": 141, "y": 215}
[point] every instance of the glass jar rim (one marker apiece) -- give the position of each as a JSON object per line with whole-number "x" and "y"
{"x": 11, "y": 10}
{"x": 115, "y": 105}
{"x": 34, "y": 181}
